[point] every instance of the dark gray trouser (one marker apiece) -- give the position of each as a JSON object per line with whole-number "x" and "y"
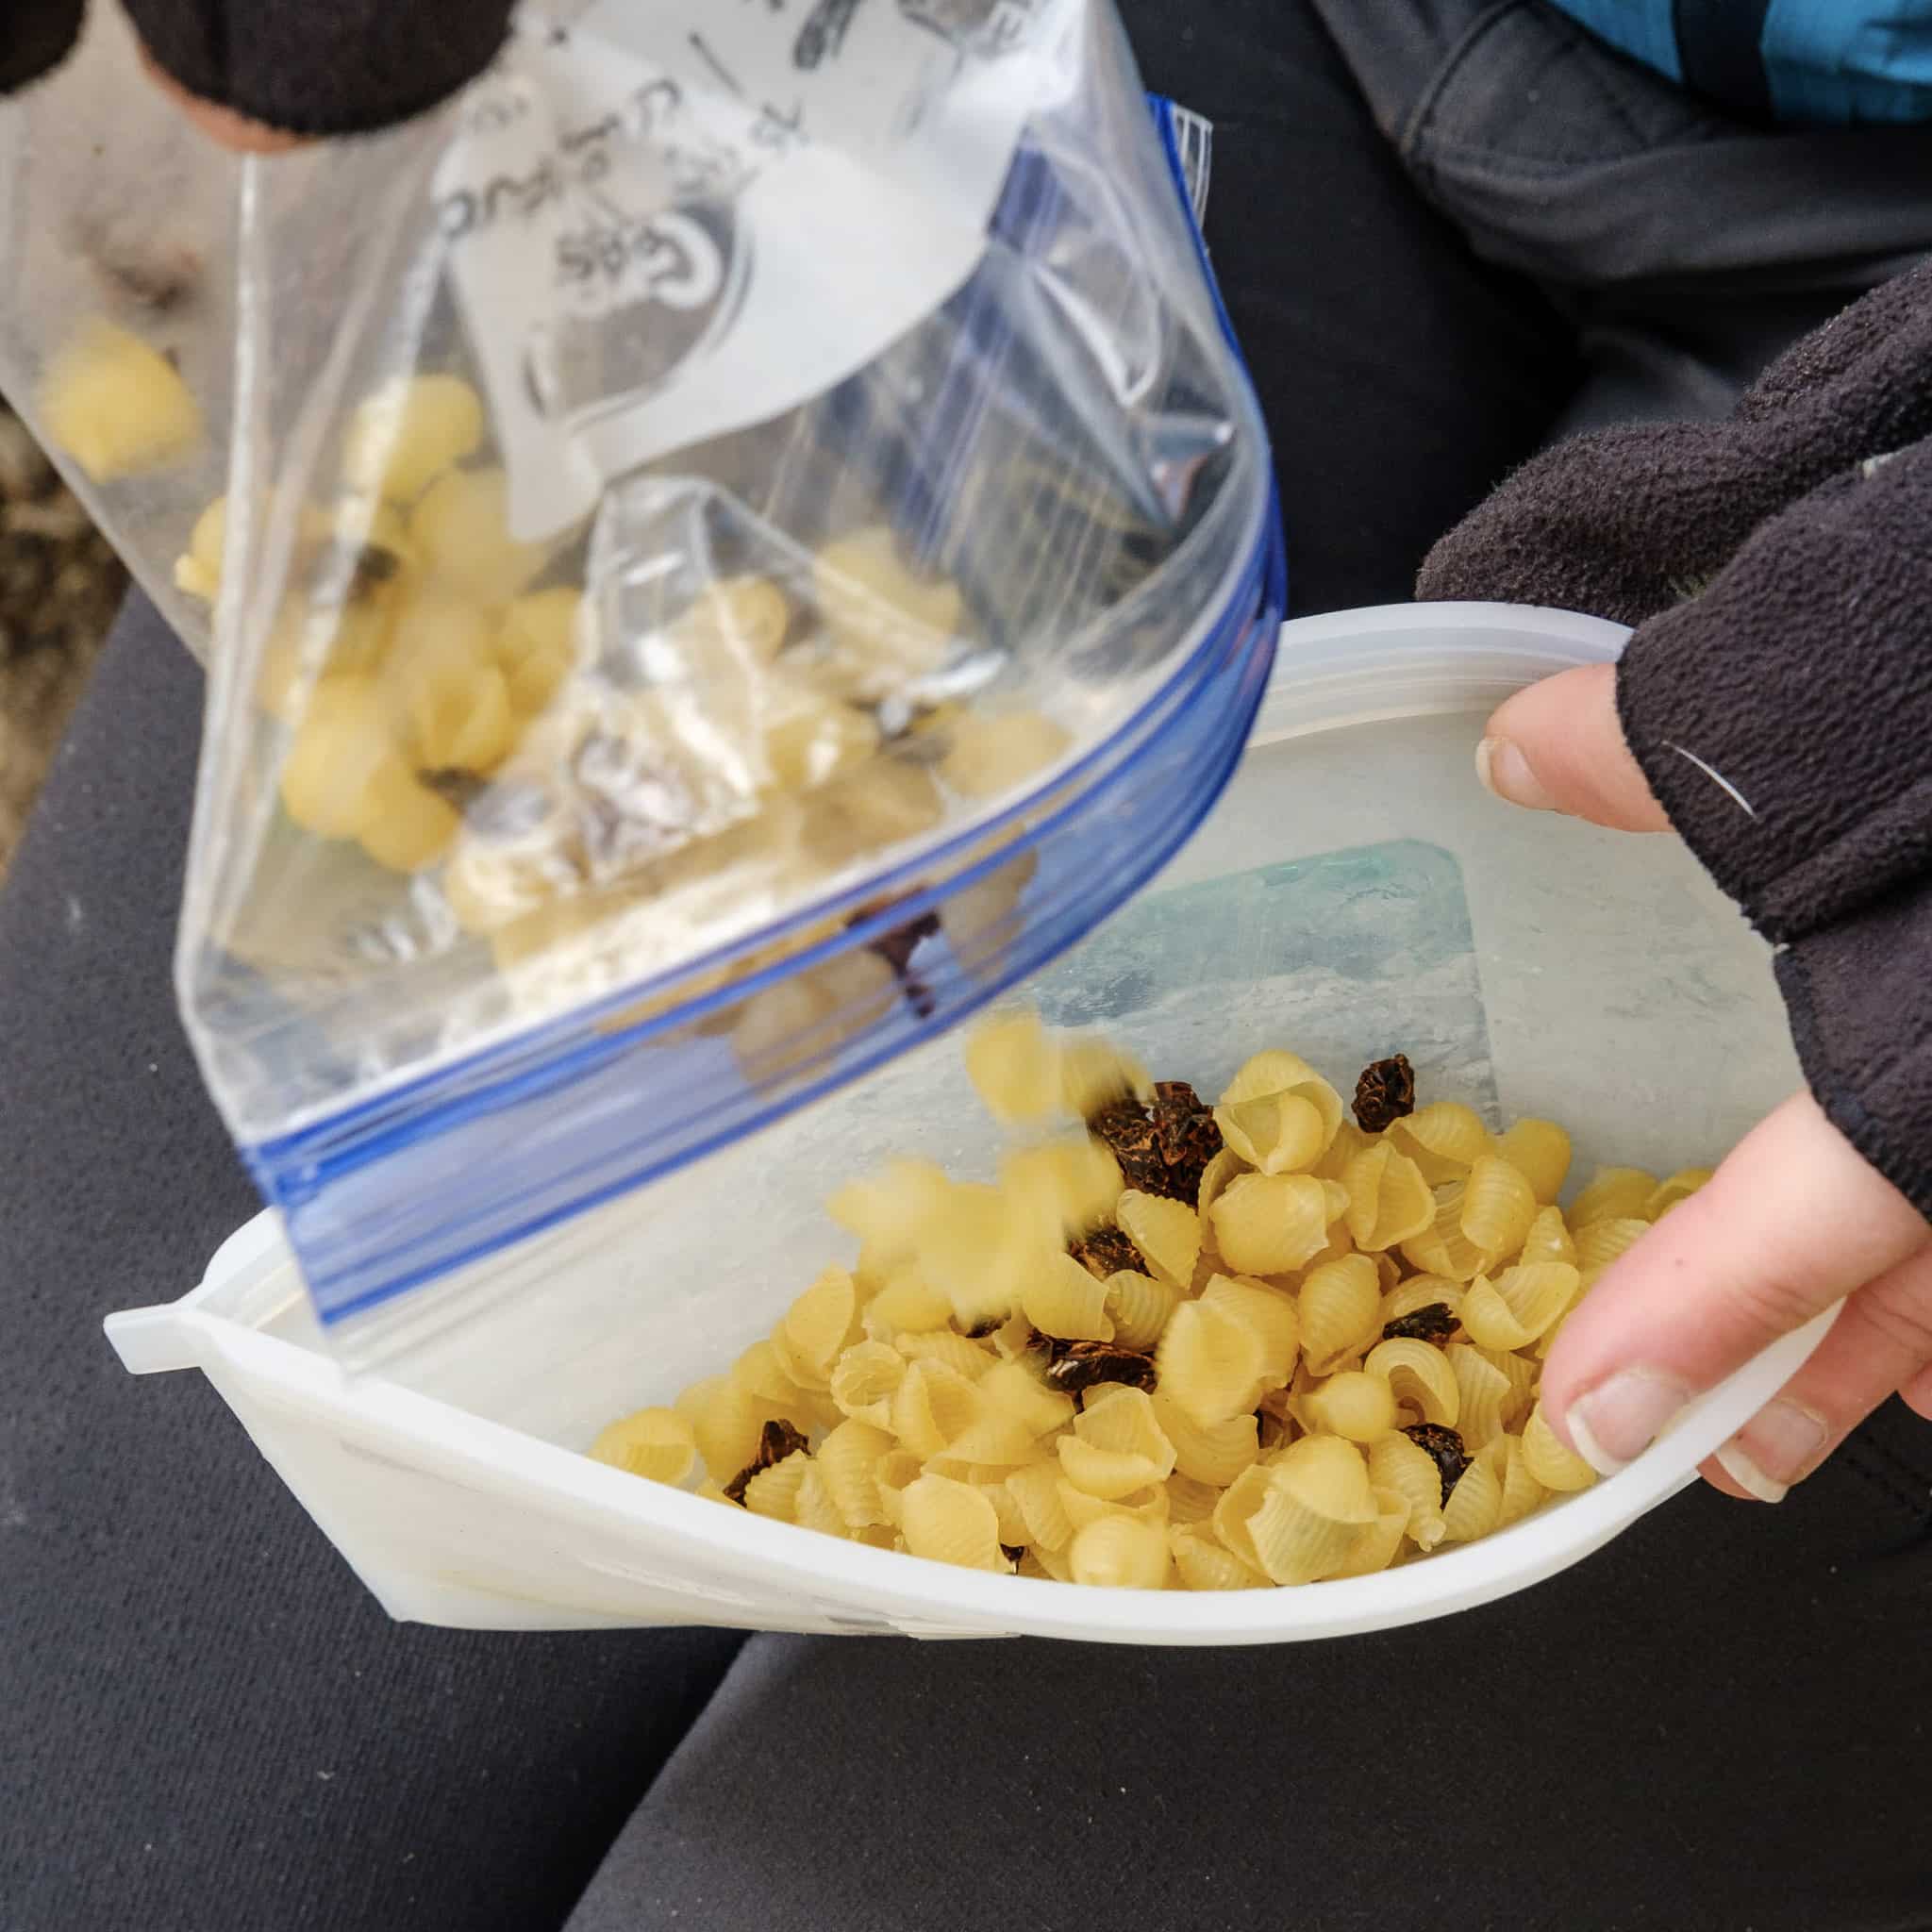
{"x": 1719, "y": 1722}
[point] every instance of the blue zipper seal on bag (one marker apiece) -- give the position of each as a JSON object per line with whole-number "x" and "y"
{"x": 382, "y": 1198}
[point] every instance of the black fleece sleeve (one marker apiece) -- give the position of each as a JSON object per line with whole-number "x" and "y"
{"x": 35, "y": 36}
{"x": 1784, "y": 720}
{"x": 323, "y": 66}
{"x": 1777, "y": 692}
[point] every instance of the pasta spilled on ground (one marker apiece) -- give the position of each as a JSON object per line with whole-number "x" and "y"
{"x": 1185, "y": 1345}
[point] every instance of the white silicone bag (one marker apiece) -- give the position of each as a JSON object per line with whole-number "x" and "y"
{"x": 1354, "y": 889}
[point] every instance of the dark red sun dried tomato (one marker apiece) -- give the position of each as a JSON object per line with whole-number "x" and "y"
{"x": 1445, "y": 1450}
{"x": 1385, "y": 1092}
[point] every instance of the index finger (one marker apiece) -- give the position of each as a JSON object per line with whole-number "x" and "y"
{"x": 1792, "y": 1222}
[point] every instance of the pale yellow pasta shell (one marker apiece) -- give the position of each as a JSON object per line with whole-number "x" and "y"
{"x": 950, "y": 1521}
{"x": 773, "y": 1491}
{"x": 1190, "y": 1500}
{"x": 1522, "y": 1492}
{"x": 1396, "y": 1464}
{"x": 1600, "y": 1242}
{"x": 1273, "y": 1072}
{"x": 1121, "y": 1553}
{"x": 894, "y": 1472}
{"x": 1539, "y": 1151}
{"x": 990, "y": 753}
{"x": 887, "y": 1209}
{"x": 992, "y": 1441}
{"x": 818, "y": 1324}
{"x": 1123, "y": 1419}
{"x": 1348, "y": 1143}
{"x": 1214, "y": 1177}
{"x": 1498, "y": 1204}
{"x": 1377, "y": 1545}
{"x": 1271, "y": 1313}
{"x": 931, "y": 1406}
{"x": 1108, "y": 1473}
{"x": 1014, "y": 1066}
{"x": 908, "y": 1301}
{"x": 1674, "y": 1188}
{"x": 1340, "y": 1304}
{"x": 1546, "y": 1460}
{"x": 1548, "y": 1238}
{"x": 1015, "y": 1389}
{"x": 657, "y": 1443}
{"x": 1484, "y": 1394}
{"x": 1012, "y": 1520}
{"x": 1083, "y": 1508}
{"x": 1061, "y": 1187}
{"x": 1523, "y": 1375}
{"x": 1520, "y": 1305}
{"x": 1048, "y": 1563}
{"x": 1444, "y": 1138}
{"x": 960, "y": 1353}
{"x": 1442, "y": 1248}
{"x": 761, "y": 1374}
{"x": 1319, "y": 1498}
{"x": 1276, "y": 1133}
{"x": 1388, "y": 1201}
{"x": 725, "y": 1422}
{"x": 1238, "y": 1504}
{"x": 1613, "y": 1194}
{"x": 1211, "y": 1452}
{"x": 863, "y": 1380}
{"x": 1209, "y": 1363}
{"x": 1475, "y": 1505}
{"x": 1093, "y": 1071}
{"x": 973, "y": 1250}
{"x": 1035, "y": 1494}
{"x": 1201, "y": 1562}
{"x": 1271, "y": 1223}
{"x": 1062, "y": 1300}
{"x": 815, "y": 1508}
{"x": 1420, "y": 1377}
{"x": 1138, "y": 1308}
{"x": 848, "y": 1460}
{"x": 1168, "y": 1234}
{"x": 1356, "y": 1406}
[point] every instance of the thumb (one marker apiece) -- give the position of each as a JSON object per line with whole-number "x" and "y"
{"x": 1558, "y": 746}
{"x": 1794, "y": 1220}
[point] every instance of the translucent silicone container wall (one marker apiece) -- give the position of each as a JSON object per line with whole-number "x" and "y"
{"x": 1353, "y": 894}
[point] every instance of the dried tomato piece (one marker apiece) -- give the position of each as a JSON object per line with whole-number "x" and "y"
{"x": 1385, "y": 1092}
{"x": 1444, "y": 1447}
{"x": 1107, "y": 1251}
{"x": 1081, "y": 1365}
{"x": 1124, "y": 1126}
{"x": 777, "y": 1440}
{"x": 1435, "y": 1322}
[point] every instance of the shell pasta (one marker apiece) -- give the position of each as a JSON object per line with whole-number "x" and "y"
{"x": 1211, "y": 1342}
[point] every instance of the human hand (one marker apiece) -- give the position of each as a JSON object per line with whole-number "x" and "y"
{"x": 1794, "y": 1220}
{"x": 1774, "y": 707}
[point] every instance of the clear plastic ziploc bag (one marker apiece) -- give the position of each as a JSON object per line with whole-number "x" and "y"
{"x": 741, "y": 541}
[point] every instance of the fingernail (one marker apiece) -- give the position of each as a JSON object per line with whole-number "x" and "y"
{"x": 1617, "y": 1421}
{"x": 1505, "y": 774}
{"x": 1782, "y": 1443}
{"x": 1741, "y": 1467}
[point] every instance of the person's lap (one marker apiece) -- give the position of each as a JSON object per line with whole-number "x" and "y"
{"x": 217, "y": 1727}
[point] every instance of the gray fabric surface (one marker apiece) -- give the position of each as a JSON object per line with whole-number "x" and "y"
{"x": 1717, "y": 1724}
{"x": 205, "y": 1721}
